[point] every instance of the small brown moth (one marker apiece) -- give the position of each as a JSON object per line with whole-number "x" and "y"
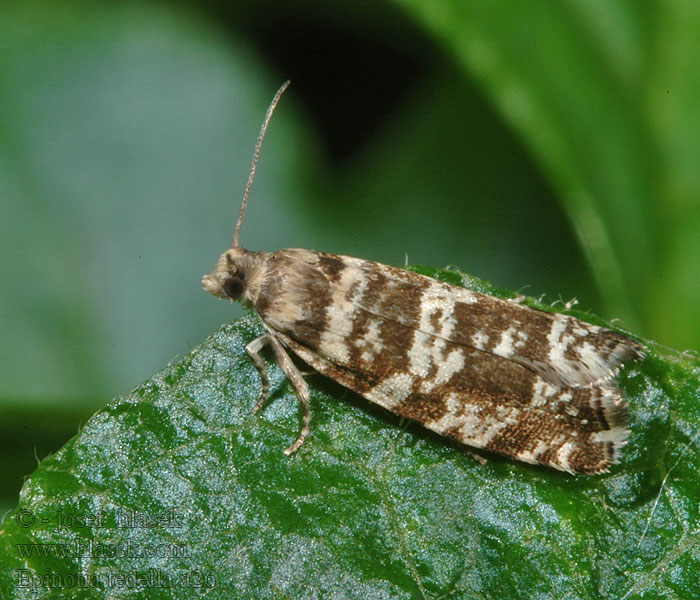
{"x": 535, "y": 386}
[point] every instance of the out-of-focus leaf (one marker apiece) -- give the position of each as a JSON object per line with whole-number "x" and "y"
{"x": 605, "y": 95}
{"x": 445, "y": 181}
{"x": 126, "y": 132}
{"x": 193, "y": 495}
{"x": 672, "y": 92}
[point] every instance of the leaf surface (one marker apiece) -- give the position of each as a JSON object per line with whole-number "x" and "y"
{"x": 189, "y": 493}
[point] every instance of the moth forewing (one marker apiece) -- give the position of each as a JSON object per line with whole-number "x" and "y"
{"x": 535, "y": 386}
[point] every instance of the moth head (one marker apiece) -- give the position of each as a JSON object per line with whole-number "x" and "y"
{"x": 237, "y": 273}
{"x": 233, "y": 275}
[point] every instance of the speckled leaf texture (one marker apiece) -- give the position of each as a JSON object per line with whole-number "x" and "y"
{"x": 177, "y": 490}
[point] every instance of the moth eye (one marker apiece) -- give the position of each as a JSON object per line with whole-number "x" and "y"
{"x": 234, "y": 286}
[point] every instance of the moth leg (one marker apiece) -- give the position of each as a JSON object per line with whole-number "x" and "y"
{"x": 302, "y": 390}
{"x": 253, "y": 350}
{"x": 476, "y": 457}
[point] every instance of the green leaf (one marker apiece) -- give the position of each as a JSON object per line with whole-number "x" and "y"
{"x": 189, "y": 494}
{"x": 126, "y": 133}
{"x": 604, "y": 94}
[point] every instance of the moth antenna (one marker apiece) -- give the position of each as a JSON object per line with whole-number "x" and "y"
{"x": 254, "y": 162}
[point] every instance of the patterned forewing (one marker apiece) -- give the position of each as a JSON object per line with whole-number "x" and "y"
{"x": 490, "y": 373}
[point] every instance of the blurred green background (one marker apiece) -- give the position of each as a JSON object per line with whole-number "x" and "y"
{"x": 551, "y": 147}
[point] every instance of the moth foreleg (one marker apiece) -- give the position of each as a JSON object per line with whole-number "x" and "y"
{"x": 253, "y": 350}
{"x": 302, "y": 390}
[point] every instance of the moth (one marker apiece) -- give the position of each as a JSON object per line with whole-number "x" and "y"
{"x": 493, "y": 374}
